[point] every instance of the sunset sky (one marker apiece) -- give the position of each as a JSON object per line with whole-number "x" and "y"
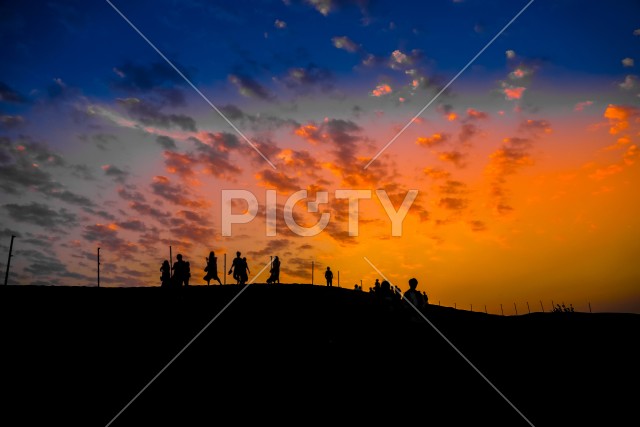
{"x": 526, "y": 166}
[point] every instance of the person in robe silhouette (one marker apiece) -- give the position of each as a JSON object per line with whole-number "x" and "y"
{"x": 328, "y": 274}
{"x": 165, "y": 278}
{"x": 236, "y": 267}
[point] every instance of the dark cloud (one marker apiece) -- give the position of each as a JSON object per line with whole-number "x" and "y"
{"x": 166, "y": 142}
{"x": 305, "y": 80}
{"x": 453, "y": 203}
{"x": 107, "y": 238}
{"x": 116, "y": 173}
{"x": 10, "y": 95}
{"x": 162, "y": 187}
{"x": 272, "y": 248}
{"x": 250, "y": 88}
{"x": 42, "y": 215}
{"x": 131, "y": 194}
{"x": 11, "y": 122}
{"x": 150, "y": 115}
{"x": 157, "y": 78}
{"x": 133, "y": 225}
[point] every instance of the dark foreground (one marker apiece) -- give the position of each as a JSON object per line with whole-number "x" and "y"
{"x": 300, "y": 355}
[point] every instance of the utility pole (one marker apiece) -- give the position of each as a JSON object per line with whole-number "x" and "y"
{"x": 528, "y": 309}
{"x": 514, "y": 306}
{"x": 311, "y": 272}
{"x": 98, "y": 267}
{"x": 6, "y": 274}
{"x": 338, "y": 278}
{"x": 541, "y": 306}
{"x": 501, "y": 310}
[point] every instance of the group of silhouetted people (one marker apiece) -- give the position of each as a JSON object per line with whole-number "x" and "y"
{"x": 177, "y": 276}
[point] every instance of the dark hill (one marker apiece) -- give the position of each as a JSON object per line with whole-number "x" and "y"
{"x": 301, "y": 354}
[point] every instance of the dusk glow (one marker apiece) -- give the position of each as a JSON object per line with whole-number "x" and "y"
{"x": 524, "y": 167}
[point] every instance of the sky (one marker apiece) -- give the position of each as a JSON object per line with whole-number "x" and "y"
{"x": 507, "y": 157}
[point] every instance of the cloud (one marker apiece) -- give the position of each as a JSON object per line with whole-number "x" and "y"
{"x": 636, "y": 32}
{"x": 303, "y": 80}
{"x": 436, "y": 174}
{"x": 455, "y": 156}
{"x": 250, "y": 88}
{"x": 274, "y": 179}
{"x": 631, "y": 82}
{"x": 345, "y": 43}
{"x": 381, "y": 89}
{"x": 133, "y": 225}
{"x": 116, "y": 173}
{"x": 24, "y": 165}
{"x": 106, "y": 236}
{"x": 280, "y": 24}
{"x": 11, "y": 96}
{"x": 512, "y": 92}
{"x": 41, "y": 215}
{"x": 433, "y": 140}
{"x": 453, "y": 203}
{"x": 627, "y": 62}
{"x": 620, "y": 117}
{"x": 166, "y": 142}
{"x": 477, "y": 225}
{"x": 149, "y": 114}
{"x": 11, "y": 122}
{"x": 580, "y": 106}
{"x": 157, "y": 78}
{"x": 535, "y": 127}
{"x": 510, "y": 54}
{"x": 176, "y": 194}
{"x": 274, "y": 247}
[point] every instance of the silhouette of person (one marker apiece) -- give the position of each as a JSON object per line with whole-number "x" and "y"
{"x": 187, "y": 274}
{"x": 236, "y": 267}
{"x": 275, "y": 271}
{"x": 165, "y": 278}
{"x": 328, "y": 274}
{"x": 244, "y": 272}
{"x": 211, "y": 269}
{"x": 179, "y": 272}
{"x": 376, "y": 286}
{"x": 413, "y": 295}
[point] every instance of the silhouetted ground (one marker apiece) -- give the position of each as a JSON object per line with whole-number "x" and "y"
{"x": 301, "y": 354}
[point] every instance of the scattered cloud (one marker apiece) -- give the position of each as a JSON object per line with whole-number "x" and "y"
{"x": 628, "y": 62}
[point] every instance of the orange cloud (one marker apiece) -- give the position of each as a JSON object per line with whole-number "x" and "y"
{"x": 309, "y": 132}
{"x": 436, "y": 174}
{"x": 381, "y": 89}
{"x": 619, "y": 117}
{"x": 430, "y": 141}
{"x": 455, "y": 157}
{"x": 582, "y": 105}
{"x": 631, "y": 155}
{"x": 512, "y": 92}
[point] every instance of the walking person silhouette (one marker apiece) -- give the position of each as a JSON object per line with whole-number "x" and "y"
{"x": 328, "y": 274}
{"x": 211, "y": 269}
{"x": 180, "y": 272}
{"x": 236, "y": 267}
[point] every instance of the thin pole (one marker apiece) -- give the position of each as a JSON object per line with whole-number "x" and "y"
{"x": 528, "y": 307}
{"x": 338, "y": 278}
{"x": 170, "y": 262}
{"x": 471, "y": 307}
{"x": 6, "y": 274}
{"x": 485, "y": 309}
{"x": 312, "y": 272}
{"x": 514, "y": 306}
{"x": 589, "y": 303}
{"x": 541, "y": 306}
{"x": 455, "y": 306}
{"x": 98, "y": 267}
{"x": 224, "y": 272}
{"x": 501, "y": 310}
